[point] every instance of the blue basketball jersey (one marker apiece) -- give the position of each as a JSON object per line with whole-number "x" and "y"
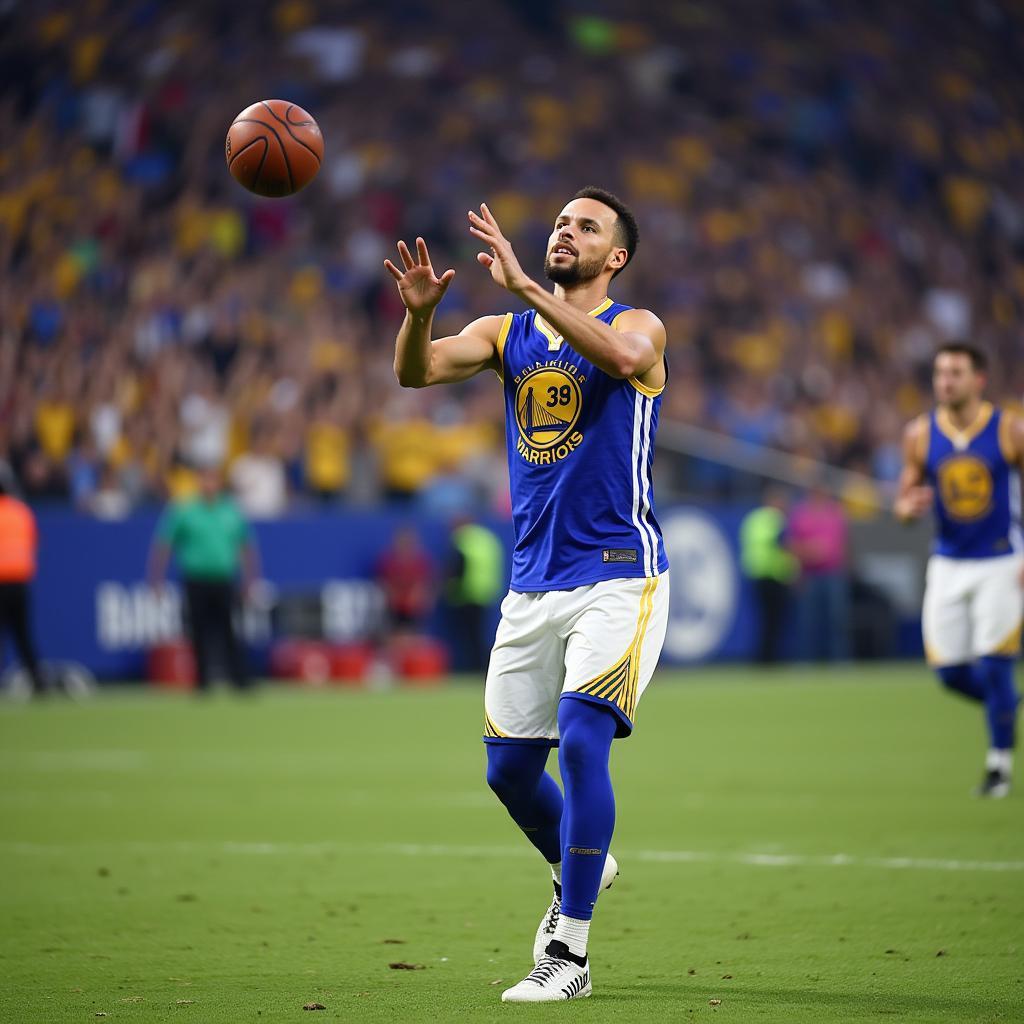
{"x": 977, "y": 487}
{"x": 580, "y": 450}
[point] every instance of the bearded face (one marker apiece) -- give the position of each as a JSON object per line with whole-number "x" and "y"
{"x": 568, "y": 269}
{"x": 955, "y": 380}
{"x": 582, "y": 243}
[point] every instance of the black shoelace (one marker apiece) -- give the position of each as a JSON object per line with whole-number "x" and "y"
{"x": 547, "y": 967}
{"x": 551, "y": 921}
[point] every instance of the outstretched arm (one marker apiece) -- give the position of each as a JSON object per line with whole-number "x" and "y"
{"x": 1017, "y": 442}
{"x": 913, "y": 498}
{"x": 420, "y": 361}
{"x": 632, "y": 349}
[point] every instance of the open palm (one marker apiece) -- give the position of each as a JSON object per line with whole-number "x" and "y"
{"x": 420, "y": 288}
{"x": 501, "y": 260}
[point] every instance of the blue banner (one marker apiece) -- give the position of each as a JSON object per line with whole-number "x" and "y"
{"x": 93, "y": 605}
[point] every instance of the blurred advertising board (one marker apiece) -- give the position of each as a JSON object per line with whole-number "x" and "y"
{"x": 93, "y": 605}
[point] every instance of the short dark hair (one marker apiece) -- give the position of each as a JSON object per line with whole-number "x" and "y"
{"x": 625, "y": 224}
{"x": 963, "y": 348}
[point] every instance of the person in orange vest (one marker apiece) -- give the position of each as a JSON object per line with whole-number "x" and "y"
{"x": 17, "y": 568}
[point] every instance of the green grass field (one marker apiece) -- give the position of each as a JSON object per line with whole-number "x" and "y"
{"x": 802, "y": 847}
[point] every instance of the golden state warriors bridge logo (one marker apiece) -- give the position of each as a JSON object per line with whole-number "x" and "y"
{"x": 965, "y": 486}
{"x": 549, "y": 398}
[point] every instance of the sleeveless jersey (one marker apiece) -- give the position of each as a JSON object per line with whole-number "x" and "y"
{"x": 580, "y": 450}
{"x": 977, "y": 487}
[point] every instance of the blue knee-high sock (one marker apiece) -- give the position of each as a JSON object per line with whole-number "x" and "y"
{"x": 516, "y": 774}
{"x": 966, "y": 680}
{"x": 1001, "y": 700}
{"x": 586, "y": 731}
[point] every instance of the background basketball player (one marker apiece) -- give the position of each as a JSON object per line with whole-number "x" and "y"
{"x": 965, "y": 460}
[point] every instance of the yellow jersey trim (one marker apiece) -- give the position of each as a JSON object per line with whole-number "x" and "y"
{"x": 554, "y": 338}
{"x": 640, "y": 386}
{"x": 499, "y": 344}
{"x": 506, "y": 326}
{"x": 962, "y": 438}
{"x": 644, "y": 389}
{"x": 1006, "y": 445}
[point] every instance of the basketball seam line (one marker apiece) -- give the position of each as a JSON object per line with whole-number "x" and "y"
{"x": 288, "y": 125}
{"x": 263, "y": 160}
{"x": 284, "y": 152}
{"x": 299, "y": 124}
{"x": 248, "y": 145}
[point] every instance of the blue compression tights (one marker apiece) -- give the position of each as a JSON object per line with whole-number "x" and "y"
{"x": 1000, "y": 700}
{"x": 988, "y": 680}
{"x": 577, "y": 834}
{"x": 963, "y": 679}
{"x": 586, "y": 732}
{"x": 515, "y": 771}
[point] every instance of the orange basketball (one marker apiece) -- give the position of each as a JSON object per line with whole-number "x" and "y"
{"x": 274, "y": 148}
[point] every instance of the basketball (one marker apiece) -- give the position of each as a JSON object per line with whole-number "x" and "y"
{"x": 274, "y": 148}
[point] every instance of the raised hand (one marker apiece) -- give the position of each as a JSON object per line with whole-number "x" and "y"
{"x": 421, "y": 290}
{"x": 501, "y": 260}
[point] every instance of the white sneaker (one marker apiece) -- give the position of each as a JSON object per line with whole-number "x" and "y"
{"x": 551, "y": 981}
{"x": 548, "y": 922}
{"x": 995, "y": 785}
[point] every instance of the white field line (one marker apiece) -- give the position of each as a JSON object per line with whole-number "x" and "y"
{"x": 757, "y": 860}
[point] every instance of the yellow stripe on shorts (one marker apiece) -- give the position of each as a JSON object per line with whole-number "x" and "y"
{"x": 619, "y": 683}
{"x": 635, "y": 658}
{"x": 491, "y": 730}
{"x": 1010, "y": 647}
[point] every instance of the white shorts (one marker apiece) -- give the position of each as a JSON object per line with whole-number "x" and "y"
{"x": 973, "y": 607}
{"x": 600, "y": 643}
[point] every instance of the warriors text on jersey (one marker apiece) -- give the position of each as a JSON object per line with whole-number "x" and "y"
{"x": 977, "y": 487}
{"x": 580, "y": 450}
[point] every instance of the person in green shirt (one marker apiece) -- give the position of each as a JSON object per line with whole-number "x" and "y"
{"x": 212, "y": 545}
{"x": 476, "y": 581}
{"x": 770, "y": 567}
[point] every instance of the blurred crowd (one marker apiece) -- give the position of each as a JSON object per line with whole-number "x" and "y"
{"x": 826, "y": 190}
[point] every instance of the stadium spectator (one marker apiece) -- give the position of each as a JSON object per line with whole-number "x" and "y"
{"x": 18, "y": 540}
{"x": 212, "y": 544}
{"x": 771, "y": 568}
{"x": 828, "y": 190}
{"x": 258, "y": 476}
{"x": 408, "y": 577}
{"x": 476, "y": 577}
{"x": 817, "y": 536}
{"x": 109, "y": 500}
{"x": 328, "y": 446}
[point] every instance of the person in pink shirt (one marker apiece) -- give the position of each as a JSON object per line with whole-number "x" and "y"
{"x": 817, "y": 534}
